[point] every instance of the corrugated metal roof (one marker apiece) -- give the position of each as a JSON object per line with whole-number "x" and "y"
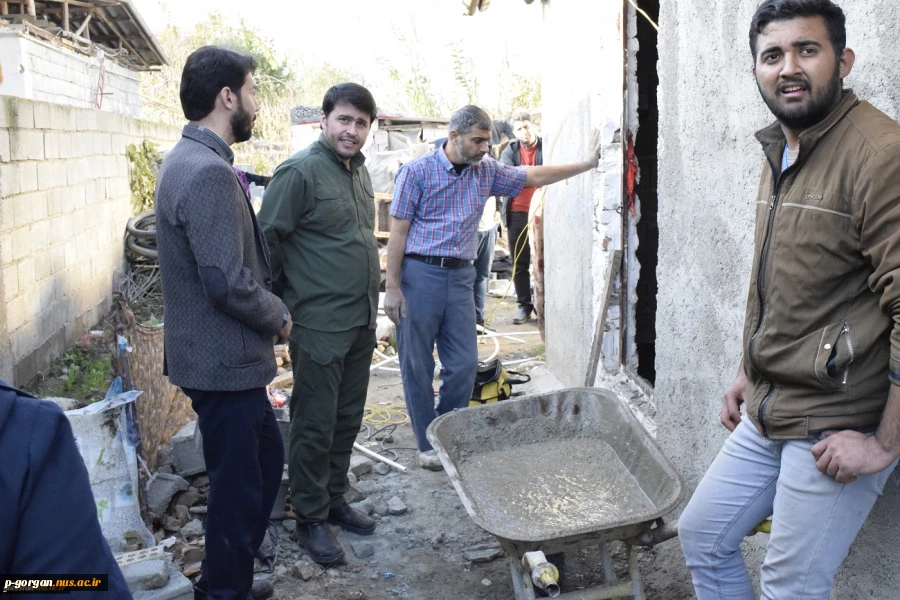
{"x": 114, "y": 25}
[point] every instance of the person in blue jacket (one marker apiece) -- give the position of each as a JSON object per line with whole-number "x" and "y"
{"x": 48, "y": 520}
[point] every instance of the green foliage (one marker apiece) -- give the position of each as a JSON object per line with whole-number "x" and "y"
{"x": 525, "y": 92}
{"x": 71, "y": 378}
{"x": 152, "y": 322}
{"x": 275, "y": 84}
{"x": 517, "y": 91}
{"x": 94, "y": 378}
{"x": 416, "y": 95}
{"x": 418, "y": 98}
{"x": 405, "y": 83}
{"x": 464, "y": 75}
{"x": 145, "y": 159}
{"x": 314, "y": 81}
{"x": 86, "y": 378}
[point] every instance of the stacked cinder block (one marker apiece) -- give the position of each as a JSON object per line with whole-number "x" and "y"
{"x": 64, "y": 200}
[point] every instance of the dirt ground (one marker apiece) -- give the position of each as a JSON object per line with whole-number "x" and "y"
{"x": 420, "y": 554}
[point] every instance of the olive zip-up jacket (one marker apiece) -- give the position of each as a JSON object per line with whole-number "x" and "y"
{"x": 822, "y": 328}
{"x": 319, "y": 220}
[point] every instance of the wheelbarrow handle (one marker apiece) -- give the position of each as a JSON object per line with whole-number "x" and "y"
{"x": 660, "y": 532}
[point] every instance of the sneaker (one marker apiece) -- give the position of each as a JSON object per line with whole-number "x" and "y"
{"x": 480, "y": 327}
{"x": 429, "y": 460}
{"x": 523, "y": 315}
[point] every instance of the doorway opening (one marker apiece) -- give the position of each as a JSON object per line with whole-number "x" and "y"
{"x": 646, "y": 145}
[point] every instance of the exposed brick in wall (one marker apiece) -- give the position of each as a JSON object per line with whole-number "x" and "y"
{"x": 64, "y": 200}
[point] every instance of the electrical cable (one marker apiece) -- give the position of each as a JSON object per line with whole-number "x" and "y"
{"x": 646, "y": 16}
{"x": 387, "y": 413}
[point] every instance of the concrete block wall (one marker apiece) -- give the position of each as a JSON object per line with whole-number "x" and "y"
{"x": 582, "y": 215}
{"x": 37, "y": 70}
{"x": 64, "y": 201}
{"x": 709, "y": 165}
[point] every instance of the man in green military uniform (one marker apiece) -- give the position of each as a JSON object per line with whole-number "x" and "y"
{"x": 318, "y": 216}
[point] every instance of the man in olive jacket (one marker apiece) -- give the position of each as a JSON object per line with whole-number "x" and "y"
{"x": 318, "y": 216}
{"x": 221, "y": 317}
{"x": 821, "y": 354}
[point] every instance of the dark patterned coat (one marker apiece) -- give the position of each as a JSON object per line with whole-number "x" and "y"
{"x": 220, "y": 313}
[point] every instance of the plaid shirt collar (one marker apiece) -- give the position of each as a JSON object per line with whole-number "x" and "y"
{"x": 448, "y": 165}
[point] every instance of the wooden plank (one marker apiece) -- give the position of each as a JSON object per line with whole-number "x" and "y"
{"x": 73, "y": 10}
{"x": 84, "y": 26}
{"x": 612, "y": 270}
{"x": 124, "y": 39}
{"x": 65, "y": 10}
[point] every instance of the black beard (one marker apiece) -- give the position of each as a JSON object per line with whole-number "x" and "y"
{"x": 800, "y": 118}
{"x": 468, "y": 160}
{"x": 241, "y": 124}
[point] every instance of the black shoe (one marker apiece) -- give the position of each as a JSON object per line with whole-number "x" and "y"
{"x": 351, "y": 520}
{"x": 523, "y": 315}
{"x": 262, "y": 589}
{"x": 319, "y": 542}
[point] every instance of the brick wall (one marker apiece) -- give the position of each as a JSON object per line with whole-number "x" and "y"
{"x": 64, "y": 200}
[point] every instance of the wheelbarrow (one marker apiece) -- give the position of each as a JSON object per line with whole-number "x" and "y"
{"x": 557, "y": 472}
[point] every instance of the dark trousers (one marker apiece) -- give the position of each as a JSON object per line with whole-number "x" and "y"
{"x": 331, "y": 379}
{"x": 244, "y": 461}
{"x": 520, "y": 249}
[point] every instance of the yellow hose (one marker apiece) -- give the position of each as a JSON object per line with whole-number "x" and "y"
{"x": 392, "y": 414}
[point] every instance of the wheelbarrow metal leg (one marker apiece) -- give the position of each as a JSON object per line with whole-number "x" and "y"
{"x": 522, "y": 586}
{"x": 609, "y": 574}
{"x": 635, "y": 573}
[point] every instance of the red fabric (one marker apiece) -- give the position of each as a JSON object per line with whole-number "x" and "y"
{"x": 631, "y": 176}
{"x": 522, "y": 202}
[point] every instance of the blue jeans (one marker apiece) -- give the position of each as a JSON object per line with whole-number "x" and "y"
{"x": 814, "y": 519}
{"x": 440, "y": 308}
{"x": 483, "y": 262}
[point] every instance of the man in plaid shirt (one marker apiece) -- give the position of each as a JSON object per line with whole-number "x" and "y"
{"x": 438, "y": 201}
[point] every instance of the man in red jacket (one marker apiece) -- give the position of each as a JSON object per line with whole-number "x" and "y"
{"x": 526, "y": 150}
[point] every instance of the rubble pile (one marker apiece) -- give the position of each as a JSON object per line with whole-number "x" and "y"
{"x": 176, "y": 509}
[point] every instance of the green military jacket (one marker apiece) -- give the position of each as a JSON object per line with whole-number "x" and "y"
{"x": 319, "y": 221}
